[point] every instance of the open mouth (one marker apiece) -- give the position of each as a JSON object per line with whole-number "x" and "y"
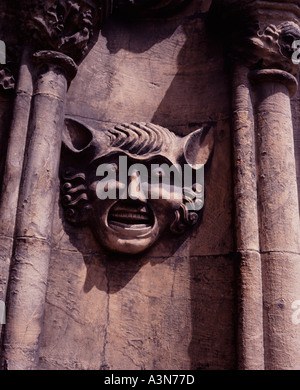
{"x": 130, "y": 216}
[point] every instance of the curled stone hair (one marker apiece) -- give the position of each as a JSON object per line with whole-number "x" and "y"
{"x": 185, "y": 217}
{"x": 140, "y": 138}
{"x": 74, "y": 197}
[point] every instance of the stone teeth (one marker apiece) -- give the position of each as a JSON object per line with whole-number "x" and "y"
{"x": 130, "y": 215}
{"x": 129, "y": 210}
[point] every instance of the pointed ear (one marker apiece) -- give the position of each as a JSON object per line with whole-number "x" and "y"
{"x": 198, "y": 146}
{"x": 76, "y": 136}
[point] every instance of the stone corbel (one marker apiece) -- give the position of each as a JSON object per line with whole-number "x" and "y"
{"x": 266, "y": 198}
{"x": 57, "y": 37}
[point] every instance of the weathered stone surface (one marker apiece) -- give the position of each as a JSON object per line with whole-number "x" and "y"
{"x": 136, "y": 314}
{"x": 60, "y": 32}
{"x": 139, "y": 310}
{"x": 220, "y": 296}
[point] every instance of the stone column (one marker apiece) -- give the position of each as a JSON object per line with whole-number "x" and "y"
{"x": 263, "y": 37}
{"x": 279, "y": 226}
{"x": 29, "y": 268}
{"x": 278, "y": 215}
{"x": 63, "y": 30}
{"x": 13, "y": 168}
{"x": 248, "y": 260}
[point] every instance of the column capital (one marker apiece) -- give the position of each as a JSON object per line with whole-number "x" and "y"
{"x": 272, "y": 46}
{"x": 58, "y": 60}
{"x": 261, "y": 34}
{"x": 64, "y": 26}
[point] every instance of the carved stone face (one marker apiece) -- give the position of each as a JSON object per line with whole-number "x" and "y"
{"x": 132, "y": 225}
{"x": 121, "y": 192}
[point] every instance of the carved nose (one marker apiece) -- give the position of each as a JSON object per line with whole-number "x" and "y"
{"x": 135, "y": 190}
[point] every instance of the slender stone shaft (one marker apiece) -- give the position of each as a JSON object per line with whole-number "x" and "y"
{"x": 278, "y": 216}
{"x": 13, "y": 169}
{"x": 30, "y": 261}
{"x": 249, "y": 305}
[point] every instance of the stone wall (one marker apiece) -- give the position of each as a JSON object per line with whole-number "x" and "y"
{"x": 173, "y": 307}
{"x": 216, "y": 297}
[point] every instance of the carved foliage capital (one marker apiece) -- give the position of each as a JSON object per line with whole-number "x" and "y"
{"x": 62, "y": 25}
{"x": 274, "y": 47}
{"x": 259, "y": 34}
{"x": 269, "y": 46}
